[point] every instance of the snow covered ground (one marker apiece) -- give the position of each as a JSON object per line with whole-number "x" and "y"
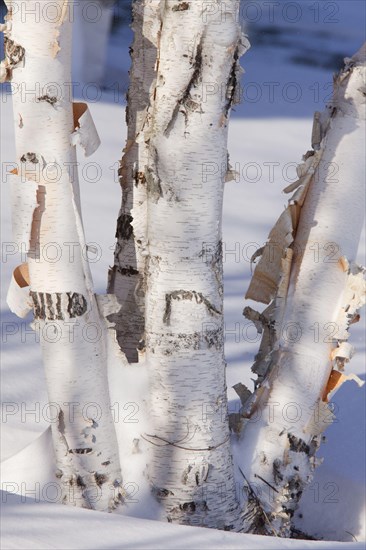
{"x": 265, "y": 147}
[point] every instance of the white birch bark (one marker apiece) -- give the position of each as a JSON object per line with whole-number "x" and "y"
{"x": 308, "y": 274}
{"x": 127, "y": 277}
{"x": 191, "y": 467}
{"x": 72, "y": 330}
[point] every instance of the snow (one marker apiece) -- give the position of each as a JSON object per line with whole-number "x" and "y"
{"x": 265, "y": 147}
{"x": 38, "y": 526}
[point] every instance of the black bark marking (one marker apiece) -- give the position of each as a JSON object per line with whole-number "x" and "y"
{"x": 36, "y": 307}
{"x": 186, "y": 295}
{"x": 100, "y": 479}
{"x": 294, "y": 489}
{"x": 288, "y": 511}
{"x": 61, "y": 429}
{"x": 106, "y": 463}
{"x": 43, "y": 305}
{"x": 139, "y": 178}
{"x": 212, "y": 256}
{"x": 50, "y": 306}
{"x": 61, "y": 422}
{"x": 48, "y": 99}
{"x": 183, "y": 6}
{"x": 191, "y": 507}
{"x": 124, "y": 228}
{"x": 161, "y": 493}
{"x": 80, "y": 482}
{"x": 173, "y": 343}
{"x": 84, "y": 451}
{"x": 298, "y": 445}
{"x": 127, "y": 271}
{"x": 154, "y": 188}
{"x": 29, "y": 157}
{"x": 195, "y": 79}
{"x": 77, "y": 305}
{"x": 298, "y": 534}
{"x": 276, "y": 468}
{"x": 188, "y": 507}
{"x": 59, "y": 315}
{"x": 232, "y": 84}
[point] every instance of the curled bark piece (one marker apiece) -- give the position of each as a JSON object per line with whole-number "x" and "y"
{"x": 275, "y": 263}
{"x": 243, "y": 392}
{"x": 14, "y": 51}
{"x": 336, "y": 380}
{"x": 18, "y": 298}
{"x": 354, "y": 298}
{"x": 85, "y": 133}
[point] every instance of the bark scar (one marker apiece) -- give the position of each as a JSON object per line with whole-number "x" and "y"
{"x": 187, "y": 295}
{"x": 232, "y": 84}
{"x": 195, "y": 78}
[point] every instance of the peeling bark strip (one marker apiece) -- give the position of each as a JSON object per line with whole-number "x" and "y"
{"x": 61, "y": 292}
{"x": 127, "y": 277}
{"x": 191, "y": 470}
{"x": 14, "y": 56}
{"x": 299, "y": 370}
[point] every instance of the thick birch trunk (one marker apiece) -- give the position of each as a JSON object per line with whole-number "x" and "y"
{"x": 307, "y": 268}
{"x": 46, "y": 217}
{"x": 191, "y": 466}
{"x": 127, "y": 277}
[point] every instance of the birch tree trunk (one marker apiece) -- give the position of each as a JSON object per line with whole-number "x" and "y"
{"x": 127, "y": 277}
{"x": 191, "y": 467}
{"x": 47, "y": 220}
{"x": 307, "y": 273}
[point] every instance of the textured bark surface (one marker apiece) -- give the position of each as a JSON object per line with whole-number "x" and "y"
{"x": 72, "y": 330}
{"x": 127, "y": 277}
{"x": 307, "y": 274}
{"x": 191, "y": 466}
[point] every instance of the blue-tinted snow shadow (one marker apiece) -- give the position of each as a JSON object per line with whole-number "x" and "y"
{"x": 295, "y": 49}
